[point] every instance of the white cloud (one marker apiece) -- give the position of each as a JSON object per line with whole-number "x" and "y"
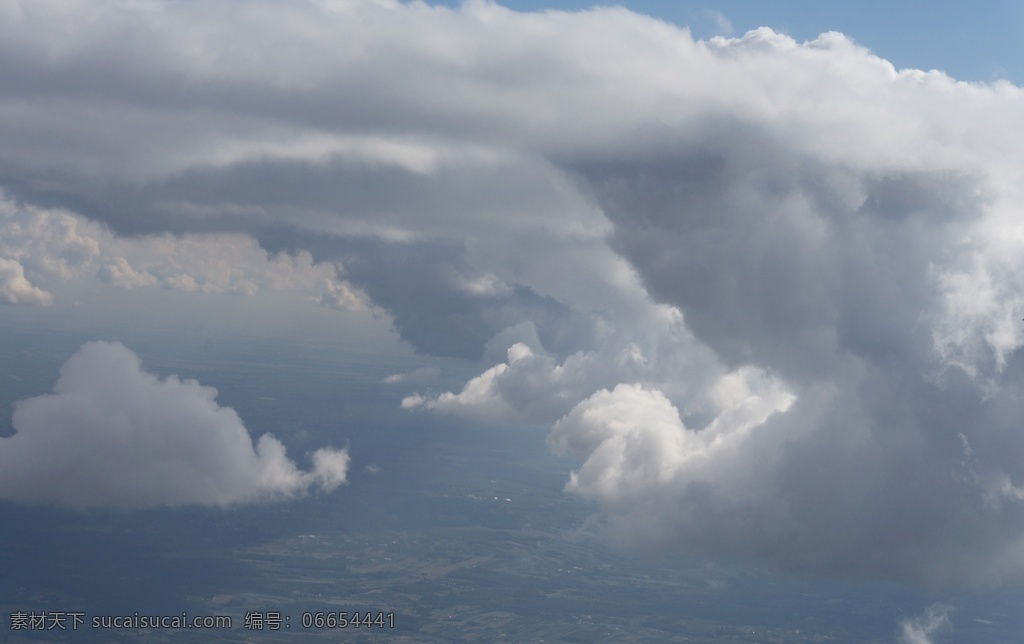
{"x": 643, "y": 343}
{"x": 50, "y": 243}
{"x": 629, "y": 439}
{"x": 120, "y": 273}
{"x": 339, "y": 294}
{"x": 113, "y": 435}
{"x": 15, "y": 289}
{"x": 723, "y": 26}
{"x": 60, "y": 247}
{"x": 482, "y": 398}
{"x": 705, "y": 229}
{"x": 924, "y": 628}
{"x": 632, "y": 442}
{"x": 422, "y": 374}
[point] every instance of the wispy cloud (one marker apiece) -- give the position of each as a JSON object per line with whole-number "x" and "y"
{"x": 924, "y": 628}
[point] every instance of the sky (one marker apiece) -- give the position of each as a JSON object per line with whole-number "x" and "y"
{"x": 760, "y": 280}
{"x": 980, "y": 42}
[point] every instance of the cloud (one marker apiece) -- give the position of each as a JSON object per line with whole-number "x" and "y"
{"x": 866, "y": 288}
{"x": 113, "y": 435}
{"x": 15, "y": 289}
{"x": 766, "y": 292}
{"x": 923, "y": 629}
{"x": 722, "y": 24}
{"x": 632, "y": 441}
{"x": 120, "y": 273}
{"x": 490, "y": 395}
{"x": 423, "y": 374}
{"x": 531, "y": 385}
{"x": 60, "y": 247}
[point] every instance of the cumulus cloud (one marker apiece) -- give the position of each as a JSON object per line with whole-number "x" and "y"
{"x": 530, "y": 384}
{"x": 113, "y": 435}
{"x": 865, "y": 287}
{"x": 631, "y": 439}
{"x": 58, "y": 246}
{"x": 487, "y": 396}
{"x": 766, "y": 292}
{"x": 120, "y": 273}
{"x": 15, "y": 289}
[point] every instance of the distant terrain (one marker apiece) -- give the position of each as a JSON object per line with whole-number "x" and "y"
{"x": 460, "y": 531}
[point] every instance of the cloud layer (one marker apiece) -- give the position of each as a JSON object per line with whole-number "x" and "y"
{"x": 113, "y": 435}
{"x": 59, "y": 246}
{"x": 767, "y": 293}
{"x": 925, "y": 628}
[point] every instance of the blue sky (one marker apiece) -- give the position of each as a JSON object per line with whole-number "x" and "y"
{"x": 981, "y": 41}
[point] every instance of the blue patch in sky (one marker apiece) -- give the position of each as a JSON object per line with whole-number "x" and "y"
{"x": 970, "y": 42}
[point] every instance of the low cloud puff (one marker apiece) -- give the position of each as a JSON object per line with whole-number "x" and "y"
{"x": 934, "y": 622}
{"x": 113, "y": 435}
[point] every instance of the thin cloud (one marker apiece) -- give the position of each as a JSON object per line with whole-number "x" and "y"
{"x": 423, "y": 374}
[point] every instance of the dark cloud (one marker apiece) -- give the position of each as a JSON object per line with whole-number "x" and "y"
{"x": 781, "y": 259}
{"x": 826, "y": 276}
{"x": 440, "y": 303}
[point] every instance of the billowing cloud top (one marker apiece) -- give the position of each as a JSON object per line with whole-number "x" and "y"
{"x": 112, "y": 435}
{"x": 768, "y": 293}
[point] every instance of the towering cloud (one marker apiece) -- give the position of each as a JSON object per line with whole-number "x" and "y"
{"x": 113, "y": 435}
{"x": 767, "y": 293}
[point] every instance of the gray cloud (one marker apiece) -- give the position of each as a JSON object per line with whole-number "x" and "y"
{"x": 767, "y": 293}
{"x": 56, "y": 246}
{"x": 113, "y": 435}
{"x": 441, "y": 303}
{"x": 826, "y": 275}
{"x": 783, "y": 259}
{"x": 15, "y": 289}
